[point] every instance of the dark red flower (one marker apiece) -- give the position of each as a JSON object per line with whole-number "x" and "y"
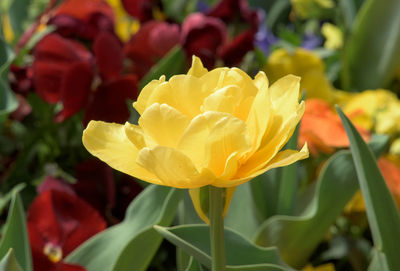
{"x": 206, "y": 35}
{"x": 64, "y": 71}
{"x": 82, "y": 18}
{"x": 20, "y": 79}
{"x": 52, "y": 183}
{"x": 109, "y": 102}
{"x": 54, "y": 57}
{"x": 153, "y": 40}
{"x": 233, "y": 52}
{"x": 235, "y": 10}
{"x": 143, "y": 10}
{"x": 203, "y": 36}
{"x": 96, "y": 185}
{"x": 59, "y": 222}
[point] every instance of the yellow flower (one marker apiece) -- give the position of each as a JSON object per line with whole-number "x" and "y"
{"x": 395, "y": 147}
{"x": 7, "y": 29}
{"x": 217, "y": 128}
{"x": 324, "y": 267}
{"x": 312, "y": 8}
{"x": 125, "y": 25}
{"x": 377, "y": 110}
{"x": 333, "y": 36}
{"x": 306, "y": 64}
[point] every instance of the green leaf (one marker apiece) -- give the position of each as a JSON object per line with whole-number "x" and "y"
{"x": 8, "y": 102}
{"x": 372, "y": 53}
{"x": 265, "y": 192}
{"x": 7, "y": 197}
{"x": 241, "y": 216}
{"x": 179, "y": 9}
{"x": 131, "y": 244}
{"x": 18, "y": 13}
{"x": 194, "y": 265}
{"x": 195, "y": 240}
{"x": 9, "y": 262}
{"x": 297, "y": 236}
{"x": 383, "y": 215}
{"x": 289, "y": 182}
{"x": 378, "y": 262}
{"x": 15, "y": 235}
{"x": 277, "y": 13}
{"x": 173, "y": 63}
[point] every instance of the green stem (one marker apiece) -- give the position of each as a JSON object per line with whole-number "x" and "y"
{"x": 217, "y": 228}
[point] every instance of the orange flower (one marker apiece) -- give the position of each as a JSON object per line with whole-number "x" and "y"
{"x": 391, "y": 173}
{"x": 322, "y": 129}
{"x": 390, "y": 169}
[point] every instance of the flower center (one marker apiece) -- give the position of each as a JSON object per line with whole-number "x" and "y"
{"x": 53, "y": 252}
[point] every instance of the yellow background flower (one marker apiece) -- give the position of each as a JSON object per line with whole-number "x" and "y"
{"x": 306, "y": 9}
{"x": 333, "y": 36}
{"x": 377, "y": 110}
{"x": 306, "y": 64}
{"x": 218, "y": 128}
{"x": 324, "y": 267}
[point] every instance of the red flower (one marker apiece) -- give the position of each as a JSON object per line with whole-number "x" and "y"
{"x": 143, "y": 10}
{"x": 54, "y": 57}
{"x": 64, "y": 71}
{"x": 96, "y": 185}
{"x": 59, "y": 222}
{"x": 83, "y": 18}
{"x": 153, "y": 40}
{"x": 206, "y": 35}
{"x": 203, "y": 36}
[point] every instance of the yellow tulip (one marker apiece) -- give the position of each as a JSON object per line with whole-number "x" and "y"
{"x": 306, "y": 64}
{"x": 218, "y": 128}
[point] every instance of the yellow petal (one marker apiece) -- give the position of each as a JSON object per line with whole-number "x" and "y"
{"x": 200, "y": 201}
{"x": 173, "y": 168}
{"x": 287, "y": 157}
{"x": 109, "y": 143}
{"x": 143, "y": 99}
{"x": 260, "y": 113}
{"x": 225, "y": 99}
{"x": 243, "y": 109}
{"x": 221, "y": 77}
{"x": 283, "y": 158}
{"x": 229, "y": 191}
{"x": 261, "y": 81}
{"x": 179, "y": 88}
{"x": 231, "y": 167}
{"x": 197, "y": 68}
{"x": 135, "y": 134}
{"x": 276, "y": 136}
{"x": 228, "y": 136}
{"x": 211, "y": 138}
{"x": 284, "y": 95}
{"x": 194, "y": 138}
{"x": 164, "y": 124}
